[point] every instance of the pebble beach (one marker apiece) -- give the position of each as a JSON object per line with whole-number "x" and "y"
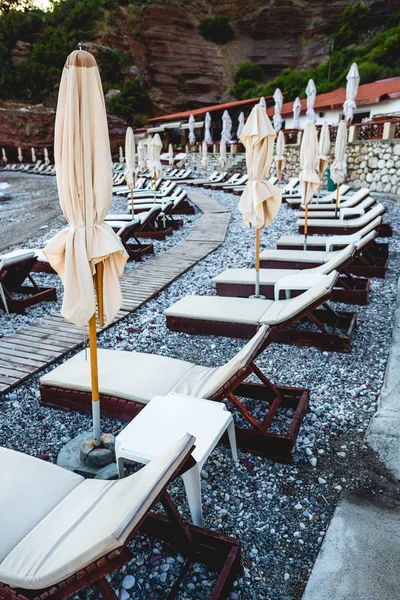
{"x": 279, "y": 512}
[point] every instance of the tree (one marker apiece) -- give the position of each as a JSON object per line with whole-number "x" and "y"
{"x": 7, "y": 5}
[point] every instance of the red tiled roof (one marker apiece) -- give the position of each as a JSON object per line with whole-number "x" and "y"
{"x": 202, "y": 111}
{"x": 368, "y": 93}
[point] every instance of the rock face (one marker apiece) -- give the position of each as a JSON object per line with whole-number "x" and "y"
{"x": 26, "y": 126}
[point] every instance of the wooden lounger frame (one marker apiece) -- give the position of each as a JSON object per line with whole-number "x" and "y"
{"x": 372, "y": 261}
{"x": 12, "y": 279}
{"x": 338, "y": 340}
{"x": 135, "y": 249}
{"x": 198, "y": 544}
{"x": 257, "y": 439}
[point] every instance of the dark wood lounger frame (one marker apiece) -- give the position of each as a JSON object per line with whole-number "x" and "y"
{"x": 372, "y": 261}
{"x": 198, "y": 544}
{"x": 12, "y": 279}
{"x": 256, "y": 438}
{"x": 342, "y": 324}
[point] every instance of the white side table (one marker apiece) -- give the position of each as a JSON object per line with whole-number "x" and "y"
{"x": 162, "y": 421}
{"x": 299, "y": 282}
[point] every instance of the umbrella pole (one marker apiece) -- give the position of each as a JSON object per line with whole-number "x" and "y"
{"x": 305, "y": 227}
{"x": 132, "y": 202}
{"x": 94, "y": 368}
{"x": 257, "y": 291}
{"x": 337, "y": 200}
{"x": 155, "y": 189}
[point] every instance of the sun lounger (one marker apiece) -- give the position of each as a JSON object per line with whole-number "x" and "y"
{"x": 62, "y": 533}
{"x": 146, "y": 188}
{"x": 181, "y": 205}
{"x": 239, "y": 190}
{"x": 232, "y": 180}
{"x": 306, "y": 320}
{"x": 144, "y": 225}
{"x": 325, "y": 242}
{"x": 164, "y": 190}
{"x": 371, "y": 258}
{"x": 15, "y": 268}
{"x": 241, "y": 182}
{"x": 295, "y": 201}
{"x": 339, "y": 226}
{"x": 181, "y": 175}
{"x": 128, "y": 381}
{"x": 276, "y": 283}
{"x": 291, "y": 187}
{"x": 215, "y": 177}
{"x": 328, "y": 210}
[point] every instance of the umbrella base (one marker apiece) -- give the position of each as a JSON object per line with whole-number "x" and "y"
{"x": 80, "y": 456}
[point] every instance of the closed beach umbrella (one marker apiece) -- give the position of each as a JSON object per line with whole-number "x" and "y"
{"x": 226, "y": 126}
{"x": 278, "y": 99}
{"x": 170, "y": 155}
{"x": 339, "y": 168}
{"x": 353, "y": 81}
{"x": 260, "y": 200}
{"x": 33, "y": 154}
{"x": 280, "y": 160}
{"x": 130, "y": 163}
{"x": 222, "y": 154}
{"x": 296, "y": 113}
{"x": 204, "y": 155}
{"x": 4, "y": 155}
{"x": 20, "y": 157}
{"x": 121, "y": 155}
{"x": 241, "y": 125}
{"x": 262, "y": 102}
{"x": 309, "y": 180}
{"x": 141, "y": 156}
{"x": 87, "y": 248}
{"x": 192, "y": 137}
{"x": 323, "y": 150}
{"x": 207, "y": 129}
{"x": 311, "y": 92}
{"x": 46, "y": 157}
{"x": 154, "y": 163}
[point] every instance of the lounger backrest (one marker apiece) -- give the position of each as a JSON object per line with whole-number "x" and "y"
{"x": 369, "y": 216}
{"x": 222, "y": 375}
{"x": 366, "y": 240}
{"x": 13, "y": 258}
{"x": 336, "y": 261}
{"x": 358, "y": 196}
{"x": 282, "y": 311}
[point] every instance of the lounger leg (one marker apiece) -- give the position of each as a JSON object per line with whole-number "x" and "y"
{"x": 105, "y": 589}
{"x": 3, "y": 299}
{"x": 191, "y": 479}
{"x": 121, "y": 467}
{"x": 232, "y": 440}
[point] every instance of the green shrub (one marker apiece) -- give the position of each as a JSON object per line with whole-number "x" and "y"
{"x": 240, "y": 88}
{"x": 132, "y": 104}
{"x": 217, "y": 29}
{"x": 248, "y": 70}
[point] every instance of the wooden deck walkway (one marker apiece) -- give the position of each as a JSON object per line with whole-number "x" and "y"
{"x": 33, "y": 348}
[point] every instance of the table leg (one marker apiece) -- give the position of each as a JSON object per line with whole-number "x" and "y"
{"x": 191, "y": 479}
{"x": 121, "y": 467}
{"x": 232, "y": 440}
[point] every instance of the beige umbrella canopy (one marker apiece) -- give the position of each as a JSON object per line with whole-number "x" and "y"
{"x": 296, "y": 113}
{"x": 33, "y": 154}
{"x": 204, "y": 155}
{"x": 121, "y": 155}
{"x": 222, "y": 153}
{"x": 279, "y": 158}
{"x": 46, "y": 157}
{"x": 153, "y": 162}
{"x": 207, "y": 129}
{"x": 309, "y": 180}
{"x": 339, "y": 167}
{"x": 4, "y": 156}
{"x": 130, "y": 163}
{"x": 141, "y": 156}
{"x": 87, "y": 247}
{"x": 20, "y": 157}
{"x": 353, "y": 81}
{"x": 260, "y": 200}
{"x": 170, "y": 155}
{"x": 324, "y": 145}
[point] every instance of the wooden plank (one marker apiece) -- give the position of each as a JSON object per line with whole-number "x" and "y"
{"x": 11, "y": 346}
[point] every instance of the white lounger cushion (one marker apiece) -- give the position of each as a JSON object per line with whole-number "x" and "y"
{"x": 86, "y": 520}
{"x": 349, "y": 202}
{"x": 249, "y": 310}
{"x": 14, "y": 257}
{"x": 305, "y": 256}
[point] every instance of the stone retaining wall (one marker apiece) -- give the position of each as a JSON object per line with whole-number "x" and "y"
{"x": 371, "y": 163}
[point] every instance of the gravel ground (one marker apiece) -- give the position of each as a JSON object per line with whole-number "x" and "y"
{"x": 25, "y": 184}
{"x": 279, "y": 512}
